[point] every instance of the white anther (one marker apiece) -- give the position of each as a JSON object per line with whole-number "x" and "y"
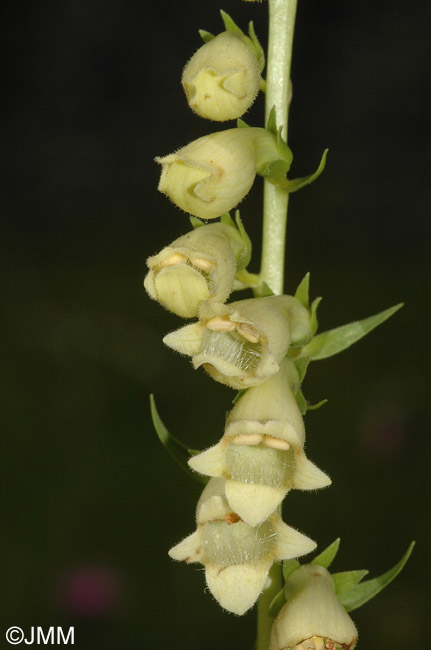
{"x": 200, "y": 263}
{"x": 275, "y": 443}
{"x": 248, "y": 439}
{"x": 177, "y": 258}
{"x": 248, "y": 332}
{"x": 218, "y": 324}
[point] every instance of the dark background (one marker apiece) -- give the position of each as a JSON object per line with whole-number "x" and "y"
{"x": 91, "y": 502}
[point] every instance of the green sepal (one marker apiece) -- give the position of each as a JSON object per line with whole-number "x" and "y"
{"x": 302, "y": 290}
{"x": 345, "y": 580}
{"x": 314, "y": 407}
{"x": 314, "y": 323}
{"x": 278, "y": 168}
{"x": 260, "y": 52}
{"x": 244, "y": 261}
{"x": 178, "y": 450}
{"x": 265, "y": 290}
{"x": 275, "y": 169}
{"x": 301, "y": 401}
{"x": 241, "y": 124}
{"x": 206, "y": 36}
{"x": 295, "y": 184}
{"x": 271, "y": 124}
{"x": 336, "y": 340}
{"x": 326, "y": 557}
{"x": 361, "y": 593}
{"x": 229, "y": 23}
{"x": 289, "y": 566}
{"x": 302, "y": 366}
{"x": 238, "y": 396}
{"x": 196, "y": 223}
{"x": 276, "y": 603}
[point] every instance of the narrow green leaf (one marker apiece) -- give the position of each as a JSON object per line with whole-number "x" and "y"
{"x": 345, "y": 580}
{"x": 325, "y": 557}
{"x": 277, "y": 603}
{"x": 286, "y": 152}
{"x": 260, "y": 53}
{"x": 229, "y": 24}
{"x": 334, "y": 341}
{"x": 288, "y": 567}
{"x": 360, "y": 594}
{"x": 303, "y": 289}
{"x": 206, "y": 36}
{"x": 196, "y": 223}
{"x": 295, "y": 184}
{"x": 179, "y": 451}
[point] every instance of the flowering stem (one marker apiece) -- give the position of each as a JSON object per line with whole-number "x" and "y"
{"x": 264, "y": 620}
{"x": 275, "y": 203}
{"x": 275, "y": 200}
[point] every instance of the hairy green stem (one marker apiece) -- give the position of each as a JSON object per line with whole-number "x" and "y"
{"x": 275, "y": 200}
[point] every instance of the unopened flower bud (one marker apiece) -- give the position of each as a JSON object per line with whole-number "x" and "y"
{"x": 236, "y": 556}
{"x": 212, "y": 174}
{"x": 261, "y": 454}
{"x": 198, "y": 266}
{"x": 313, "y": 617}
{"x": 241, "y": 344}
{"x": 222, "y": 78}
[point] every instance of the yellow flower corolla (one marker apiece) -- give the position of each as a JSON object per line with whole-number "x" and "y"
{"x": 312, "y": 618}
{"x": 241, "y": 344}
{"x": 261, "y": 454}
{"x": 236, "y": 556}
{"x": 222, "y": 78}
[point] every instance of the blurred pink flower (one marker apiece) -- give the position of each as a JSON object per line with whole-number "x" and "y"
{"x": 89, "y": 592}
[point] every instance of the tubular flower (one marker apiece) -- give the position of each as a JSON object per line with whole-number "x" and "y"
{"x": 236, "y": 557}
{"x": 241, "y": 344}
{"x": 312, "y": 618}
{"x": 261, "y": 454}
{"x": 198, "y": 266}
{"x": 212, "y": 174}
{"x": 222, "y": 78}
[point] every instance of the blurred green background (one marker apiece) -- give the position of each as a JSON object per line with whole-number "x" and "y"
{"x": 91, "y": 502}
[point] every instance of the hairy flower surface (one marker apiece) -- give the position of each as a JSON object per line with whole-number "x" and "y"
{"x": 222, "y": 78}
{"x": 313, "y": 617}
{"x": 212, "y": 174}
{"x": 237, "y": 557}
{"x": 241, "y": 344}
{"x": 198, "y": 266}
{"x": 261, "y": 454}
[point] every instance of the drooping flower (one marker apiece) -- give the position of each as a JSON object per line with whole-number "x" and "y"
{"x": 212, "y": 174}
{"x": 241, "y": 344}
{"x": 313, "y": 617}
{"x": 237, "y": 557}
{"x": 261, "y": 454}
{"x": 198, "y": 266}
{"x": 222, "y": 78}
